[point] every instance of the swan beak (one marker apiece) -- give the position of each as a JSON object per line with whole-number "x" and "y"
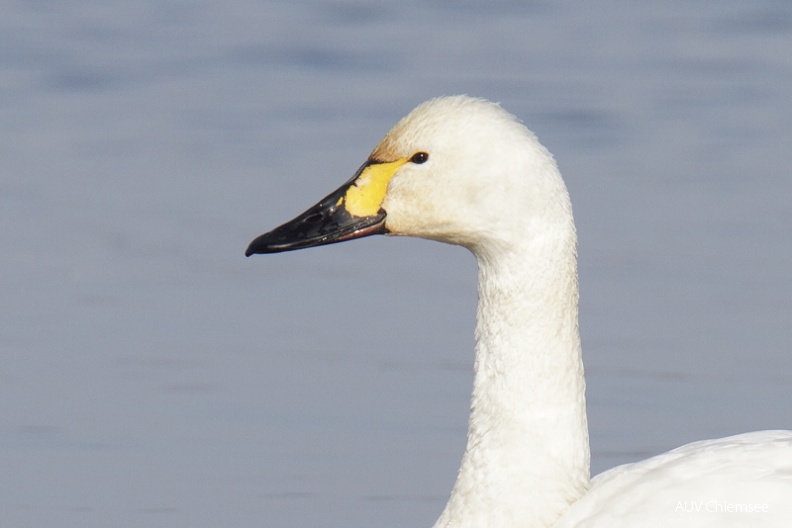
{"x": 352, "y": 211}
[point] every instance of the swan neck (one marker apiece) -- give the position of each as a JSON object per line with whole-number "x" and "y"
{"x": 527, "y": 456}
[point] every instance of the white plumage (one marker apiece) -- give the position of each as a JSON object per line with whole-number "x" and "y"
{"x": 488, "y": 185}
{"x": 743, "y": 480}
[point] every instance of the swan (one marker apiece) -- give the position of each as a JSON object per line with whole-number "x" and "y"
{"x": 464, "y": 171}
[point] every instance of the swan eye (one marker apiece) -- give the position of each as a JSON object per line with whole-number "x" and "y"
{"x": 420, "y": 157}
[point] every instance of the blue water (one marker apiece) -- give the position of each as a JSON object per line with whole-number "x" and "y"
{"x": 150, "y": 375}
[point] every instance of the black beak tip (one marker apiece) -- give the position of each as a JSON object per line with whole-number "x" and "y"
{"x": 259, "y": 245}
{"x": 251, "y": 250}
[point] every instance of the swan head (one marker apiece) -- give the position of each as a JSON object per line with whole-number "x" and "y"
{"x": 456, "y": 169}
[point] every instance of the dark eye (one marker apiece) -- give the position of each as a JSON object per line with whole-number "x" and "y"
{"x": 420, "y": 157}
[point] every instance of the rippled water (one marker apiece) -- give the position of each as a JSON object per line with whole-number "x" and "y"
{"x": 150, "y": 375}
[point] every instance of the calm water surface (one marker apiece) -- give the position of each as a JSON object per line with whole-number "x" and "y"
{"x": 150, "y": 375}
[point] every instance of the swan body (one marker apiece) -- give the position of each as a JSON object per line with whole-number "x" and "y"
{"x": 464, "y": 171}
{"x": 742, "y": 480}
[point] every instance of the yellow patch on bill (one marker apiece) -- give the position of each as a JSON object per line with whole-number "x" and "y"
{"x": 365, "y": 196}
